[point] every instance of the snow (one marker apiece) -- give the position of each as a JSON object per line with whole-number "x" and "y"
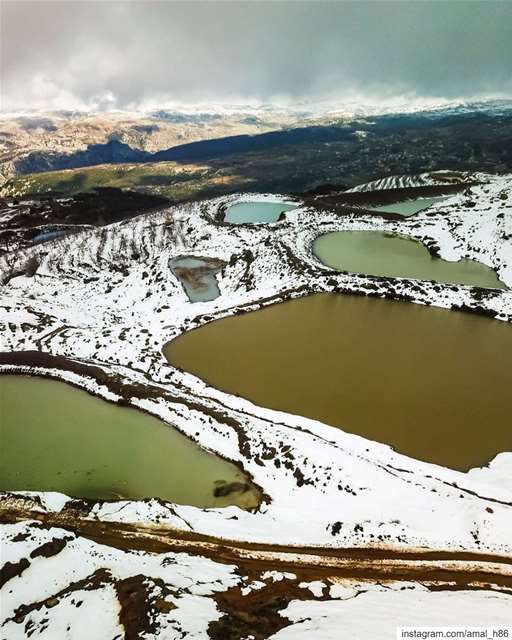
{"x": 372, "y": 493}
{"x": 18, "y": 317}
{"x": 277, "y": 576}
{"x": 433, "y": 178}
{"x": 255, "y": 585}
{"x": 188, "y": 580}
{"x": 497, "y": 473}
{"x": 65, "y": 620}
{"x": 316, "y": 587}
{"x": 93, "y": 302}
{"x": 377, "y": 614}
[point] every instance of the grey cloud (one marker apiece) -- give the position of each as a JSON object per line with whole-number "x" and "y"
{"x": 57, "y": 53}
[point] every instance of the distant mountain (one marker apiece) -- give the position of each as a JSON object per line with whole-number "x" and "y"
{"x": 206, "y": 149}
{"x": 33, "y": 143}
{"x": 113, "y": 152}
{"x": 422, "y": 109}
{"x": 36, "y": 141}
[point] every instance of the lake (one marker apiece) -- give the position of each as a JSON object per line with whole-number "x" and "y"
{"x": 432, "y": 383}
{"x": 409, "y": 207}
{"x": 197, "y": 275}
{"x": 378, "y": 253}
{"x": 58, "y": 438}
{"x": 256, "y": 212}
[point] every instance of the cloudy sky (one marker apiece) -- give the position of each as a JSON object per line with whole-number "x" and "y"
{"x": 135, "y": 53}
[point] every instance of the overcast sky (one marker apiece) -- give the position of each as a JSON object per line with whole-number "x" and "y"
{"x": 126, "y": 54}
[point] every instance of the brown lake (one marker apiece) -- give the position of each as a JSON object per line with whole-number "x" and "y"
{"x": 432, "y": 383}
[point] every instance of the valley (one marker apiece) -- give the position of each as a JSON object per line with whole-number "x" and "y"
{"x": 300, "y": 156}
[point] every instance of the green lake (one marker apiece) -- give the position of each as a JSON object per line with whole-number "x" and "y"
{"x": 256, "y": 212}
{"x": 378, "y": 253}
{"x": 432, "y": 383}
{"x": 58, "y": 438}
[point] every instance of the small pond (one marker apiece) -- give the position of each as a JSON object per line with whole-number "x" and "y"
{"x": 409, "y": 207}
{"x": 197, "y": 275}
{"x": 432, "y": 383}
{"x": 47, "y": 236}
{"x": 255, "y": 212}
{"x": 58, "y": 438}
{"x": 378, "y": 253}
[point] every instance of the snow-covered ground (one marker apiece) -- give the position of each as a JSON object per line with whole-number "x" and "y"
{"x": 377, "y": 613}
{"x": 108, "y": 298}
{"x": 432, "y": 178}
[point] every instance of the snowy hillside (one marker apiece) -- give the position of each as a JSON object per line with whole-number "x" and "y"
{"x": 342, "y": 511}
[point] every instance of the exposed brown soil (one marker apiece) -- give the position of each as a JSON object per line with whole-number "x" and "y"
{"x": 50, "y": 548}
{"x": 133, "y": 598}
{"x": 12, "y": 569}
{"x": 45, "y": 360}
{"x": 375, "y": 563}
{"x": 255, "y": 613}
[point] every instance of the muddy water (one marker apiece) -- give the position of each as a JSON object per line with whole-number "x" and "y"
{"x": 197, "y": 277}
{"x": 409, "y": 207}
{"x": 432, "y": 383}
{"x": 255, "y": 212}
{"x": 58, "y": 438}
{"x": 378, "y": 253}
